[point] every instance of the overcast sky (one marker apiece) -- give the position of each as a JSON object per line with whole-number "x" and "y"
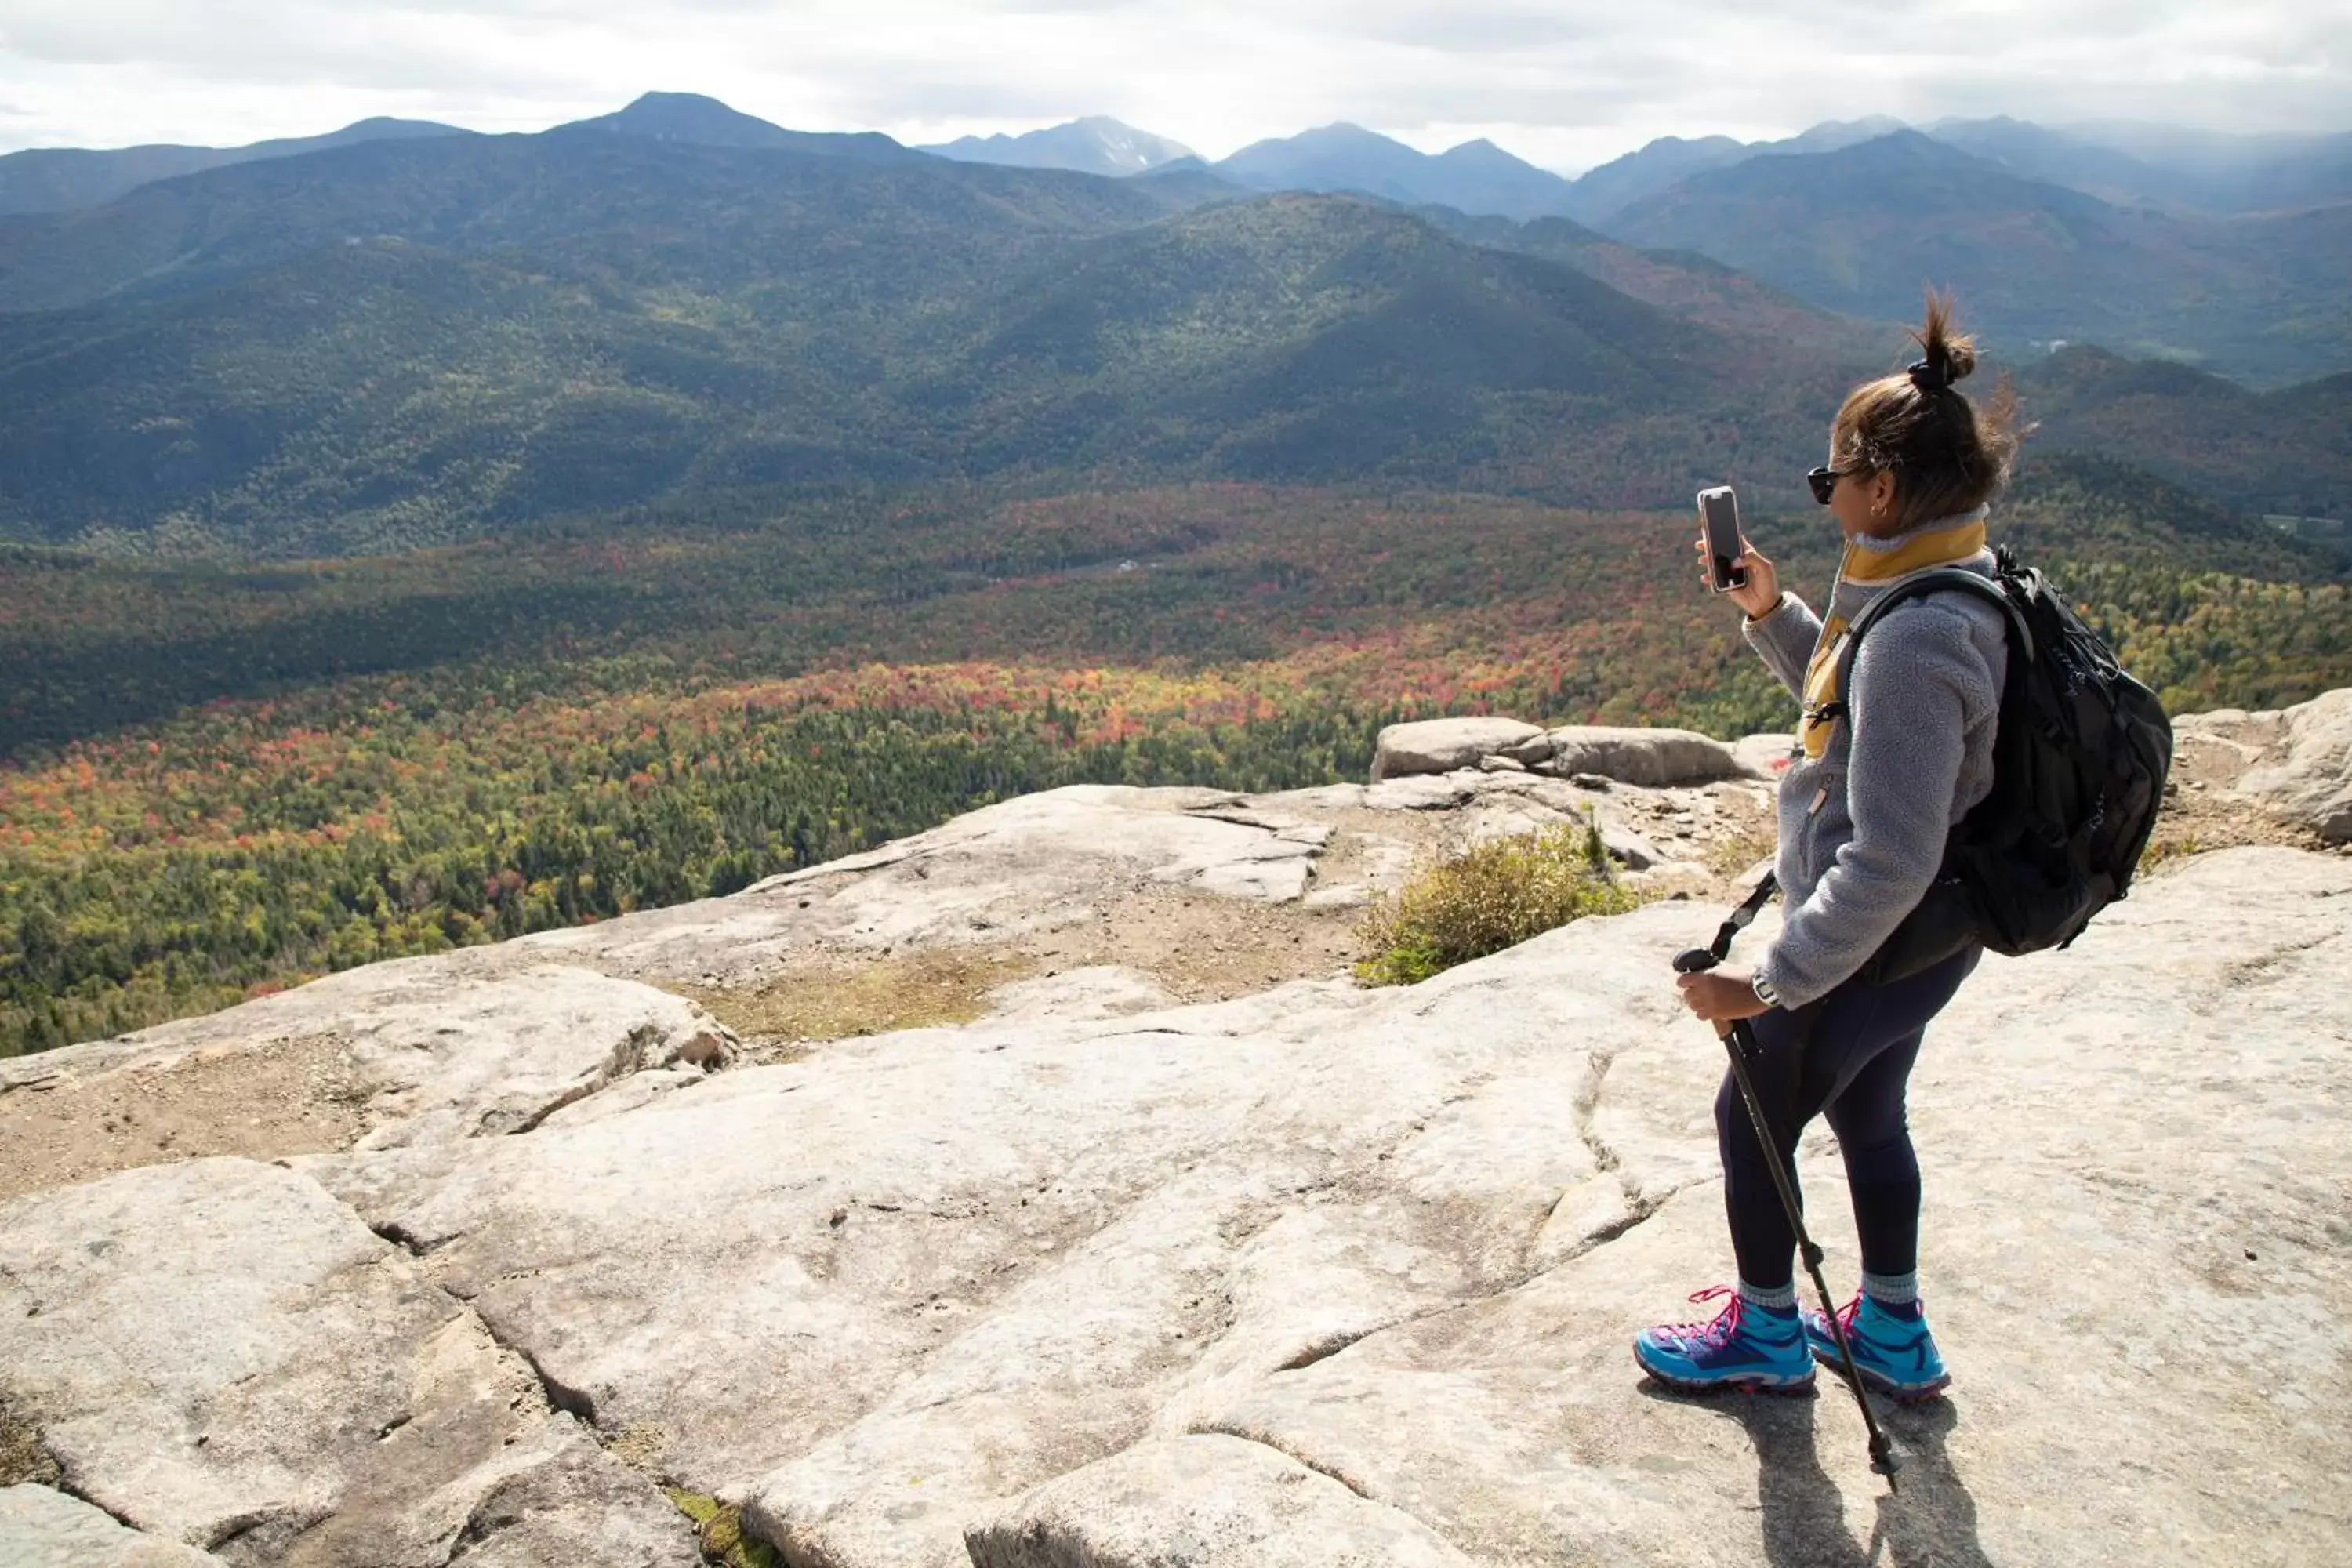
{"x": 1565, "y": 83}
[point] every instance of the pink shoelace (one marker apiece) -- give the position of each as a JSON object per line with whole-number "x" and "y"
{"x": 1713, "y": 1331}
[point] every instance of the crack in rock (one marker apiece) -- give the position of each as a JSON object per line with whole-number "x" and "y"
{"x": 1640, "y": 1203}
{"x": 1293, "y": 1456}
{"x": 558, "y": 1394}
{"x": 1331, "y": 1345}
{"x": 1639, "y": 1207}
{"x": 391, "y": 1231}
{"x": 1588, "y": 1102}
{"x": 623, "y": 1061}
{"x": 65, "y": 1483}
{"x": 2264, "y": 966}
{"x": 1639, "y": 1211}
{"x": 266, "y": 1530}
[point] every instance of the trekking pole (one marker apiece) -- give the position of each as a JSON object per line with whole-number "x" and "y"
{"x": 1739, "y": 1043}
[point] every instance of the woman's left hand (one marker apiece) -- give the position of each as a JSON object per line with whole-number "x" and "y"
{"x": 1720, "y": 996}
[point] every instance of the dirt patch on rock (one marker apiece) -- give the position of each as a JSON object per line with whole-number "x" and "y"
{"x": 829, "y": 995}
{"x": 1204, "y": 948}
{"x": 23, "y": 1460}
{"x": 1198, "y": 946}
{"x": 290, "y": 1097}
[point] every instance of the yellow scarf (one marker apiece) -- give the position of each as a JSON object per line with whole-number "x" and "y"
{"x": 1875, "y": 568}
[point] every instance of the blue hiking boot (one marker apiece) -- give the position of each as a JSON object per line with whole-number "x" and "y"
{"x": 1894, "y": 1354}
{"x": 1744, "y": 1346}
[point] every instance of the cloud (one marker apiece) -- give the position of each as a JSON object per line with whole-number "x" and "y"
{"x": 1564, "y": 82}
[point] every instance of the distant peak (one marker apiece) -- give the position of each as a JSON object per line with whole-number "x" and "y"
{"x": 1093, "y": 144}
{"x": 1484, "y": 152}
{"x": 645, "y": 101}
{"x": 375, "y": 123}
{"x": 377, "y": 128}
{"x": 681, "y": 109}
{"x": 1663, "y": 142}
{"x": 689, "y": 117}
{"x": 1899, "y": 139}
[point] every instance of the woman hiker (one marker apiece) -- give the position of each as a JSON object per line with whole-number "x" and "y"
{"x": 1872, "y": 789}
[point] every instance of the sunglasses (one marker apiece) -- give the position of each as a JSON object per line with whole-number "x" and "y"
{"x": 1824, "y": 481}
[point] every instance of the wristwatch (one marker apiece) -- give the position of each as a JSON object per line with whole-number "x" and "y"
{"x": 1764, "y": 992}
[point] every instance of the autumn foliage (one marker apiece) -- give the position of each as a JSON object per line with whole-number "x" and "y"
{"x": 218, "y": 779}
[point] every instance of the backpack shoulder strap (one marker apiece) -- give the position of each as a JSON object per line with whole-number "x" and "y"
{"x": 1918, "y": 584}
{"x": 1937, "y": 580}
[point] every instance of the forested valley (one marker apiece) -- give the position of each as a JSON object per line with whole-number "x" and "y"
{"x": 222, "y": 778}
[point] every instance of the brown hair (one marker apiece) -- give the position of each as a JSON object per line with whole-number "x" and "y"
{"x": 1948, "y": 454}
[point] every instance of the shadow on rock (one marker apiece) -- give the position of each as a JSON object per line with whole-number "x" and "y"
{"x": 1932, "y": 1523}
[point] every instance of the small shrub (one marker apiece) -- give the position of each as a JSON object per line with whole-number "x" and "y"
{"x": 1495, "y": 896}
{"x": 719, "y": 1529}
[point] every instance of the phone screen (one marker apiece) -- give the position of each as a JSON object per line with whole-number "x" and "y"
{"x": 1719, "y": 510}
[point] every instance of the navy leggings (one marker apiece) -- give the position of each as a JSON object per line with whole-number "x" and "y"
{"x": 1848, "y": 1056}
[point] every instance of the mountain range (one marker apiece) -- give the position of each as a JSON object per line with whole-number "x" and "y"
{"x": 407, "y": 339}
{"x": 1096, "y": 144}
{"x": 402, "y": 343}
{"x": 1475, "y": 177}
{"x": 2267, "y": 296}
{"x": 2181, "y": 171}
{"x": 2175, "y": 168}
{"x": 61, "y": 179}
{"x": 2222, "y": 251}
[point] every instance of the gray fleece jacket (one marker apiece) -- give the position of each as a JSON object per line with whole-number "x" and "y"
{"x": 1862, "y": 828}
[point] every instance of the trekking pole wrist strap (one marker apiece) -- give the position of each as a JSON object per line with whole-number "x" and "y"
{"x": 1745, "y": 915}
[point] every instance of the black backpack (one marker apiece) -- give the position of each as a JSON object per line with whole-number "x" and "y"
{"x": 2079, "y": 763}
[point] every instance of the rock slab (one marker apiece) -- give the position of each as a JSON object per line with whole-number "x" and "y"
{"x": 41, "y": 1528}
{"x": 437, "y": 1053}
{"x": 1656, "y": 758}
{"x": 1402, "y": 1237}
{"x": 1101, "y": 1278}
{"x": 2312, "y": 786}
{"x": 1208, "y": 1501}
{"x": 1441, "y": 745}
{"x": 223, "y": 1356}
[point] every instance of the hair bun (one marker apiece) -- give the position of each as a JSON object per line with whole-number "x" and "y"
{"x": 1931, "y": 374}
{"x": 1947, "y": 454}
{"x": 1945, "y": 355}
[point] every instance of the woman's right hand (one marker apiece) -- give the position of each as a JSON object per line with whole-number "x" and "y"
{"x": 1760, "y": 593}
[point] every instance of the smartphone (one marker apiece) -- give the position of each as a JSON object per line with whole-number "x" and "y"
{"x": 1719, "y": 510}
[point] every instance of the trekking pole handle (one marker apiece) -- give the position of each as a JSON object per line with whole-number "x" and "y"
{"x": 1698, "y": 960}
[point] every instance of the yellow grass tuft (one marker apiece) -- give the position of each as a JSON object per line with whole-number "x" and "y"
{"x": 1495, "y": 896}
